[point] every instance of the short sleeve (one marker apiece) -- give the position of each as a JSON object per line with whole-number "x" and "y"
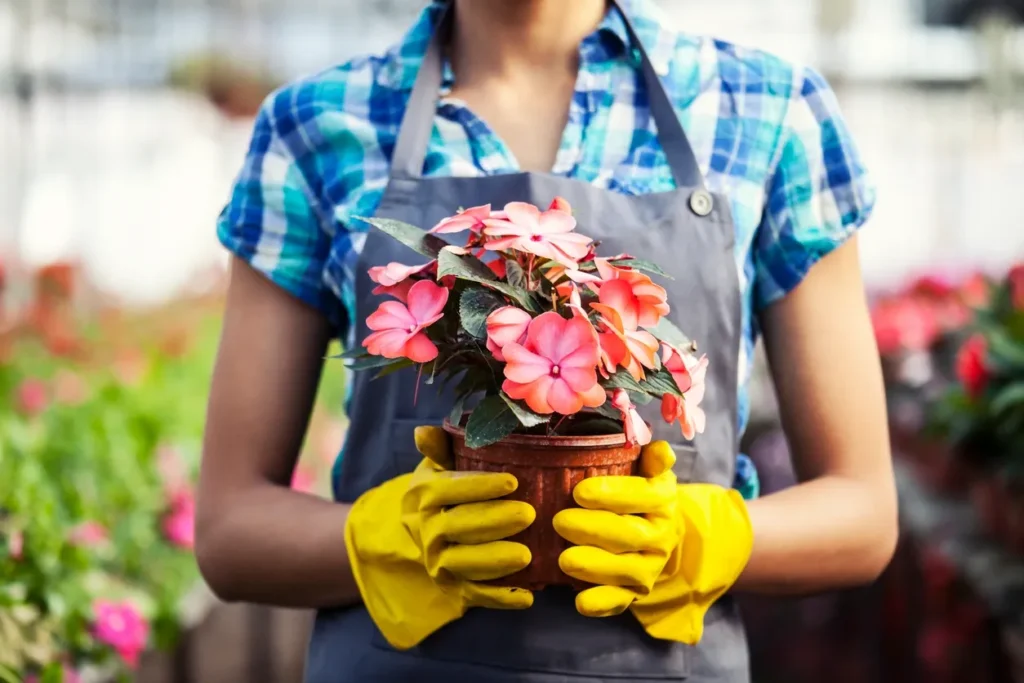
{"x": 817, "y": 196}
{"x": 273, "y": 218}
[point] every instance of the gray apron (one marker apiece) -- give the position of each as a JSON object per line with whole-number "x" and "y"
{"x": 689, "y": 233}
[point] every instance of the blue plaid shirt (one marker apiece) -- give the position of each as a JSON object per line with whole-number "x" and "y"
{"x": 767, "y": 134}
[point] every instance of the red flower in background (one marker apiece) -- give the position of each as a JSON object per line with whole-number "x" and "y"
{"x": 971, "y": 368}
{"x": 904, "y": 323}
{"x": 1016, "y": 280}
{"x": 56, "y": 280}
{"x": 976, "y": 291}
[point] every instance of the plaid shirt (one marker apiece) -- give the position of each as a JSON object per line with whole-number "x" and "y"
{"x": 767, "y": 134}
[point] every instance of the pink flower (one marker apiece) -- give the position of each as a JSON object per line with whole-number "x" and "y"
{"x": 972, "y": 366}
{"x": 398, "y": 329}
{"x": 639, "y": 301}
{"x": 396, "y": 280}
{"x": 470, "y": 219}
{"x": 1016, "y": 280}
{"x": 560, "y": 204}
{"x": 88, "y": 535}
{"x": 904, "y": 323}
{"x": 31, "y": 397}
{"x": 548, "y": 235}
{"x": 121, "y": 626}
{"x": 173, "y": 471}
{"x": 688, "y": 372}
{"x": 634, "y": 349}
{"x": 637, "y": 431}
{"x": 506, "y": 325}
{"x": 555, "y": 371}
{"x": 180, "y": 522}
{"x": 16, "y": 545}
{"x": 303, "y": 480}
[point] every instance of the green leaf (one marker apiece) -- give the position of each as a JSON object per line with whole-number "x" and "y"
{"x": 623, "y": 380}
{"x": 355, "y": 352}
{"x": 640, "y": 264}
{"x": 490, "y": 422}
{"x": 666, "y": 331}
{"x": 639, "y": 399}
{"x": 1005, "y": 351}
{"x": 370, "y": 362}
{"x": 474, "y": 307}
{"x": 420, "y": 241}
{"x": 394, "y": 366}
{"x": 660, "y": 383}
{"x": 526, "y": 417}
{"x": 455, "y": 416}
{"x": 1007, "y": 398}
{"x": 514, "y": 274}
{"x": 473, "y": 269}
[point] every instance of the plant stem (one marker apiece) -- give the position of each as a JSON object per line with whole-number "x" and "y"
{"x": 529, "y": 274}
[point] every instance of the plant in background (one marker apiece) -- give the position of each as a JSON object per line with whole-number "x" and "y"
{"x": 983, "y": 411}
{"x": 526, "y": 317}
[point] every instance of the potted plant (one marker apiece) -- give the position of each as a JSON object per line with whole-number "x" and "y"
{"x": 552, "y": 346}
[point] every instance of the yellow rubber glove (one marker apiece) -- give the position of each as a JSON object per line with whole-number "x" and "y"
{"x": 420, "y": 544}
{"x": 714, "y": 540}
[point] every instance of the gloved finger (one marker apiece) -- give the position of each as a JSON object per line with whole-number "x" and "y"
{"x": 627, "y": 495}
{"x": 474, "y": 523}
{"x": 485, "y": 561}
{"x": 614, "y": 532}
{"x": 435, "y": 444}
{"x": 656, "y": 458}
{"x": 442, "y": 489}
{"x": 604, "y": 601}
{"x": 603, "y": 568}
{"x": 497, "y": 597}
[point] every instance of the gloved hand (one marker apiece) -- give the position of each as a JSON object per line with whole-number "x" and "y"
{"x": 623, "y": 537}
{"x": 420, "y": 544}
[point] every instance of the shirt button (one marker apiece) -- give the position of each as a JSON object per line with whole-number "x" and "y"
{"x": 701, "y": 203}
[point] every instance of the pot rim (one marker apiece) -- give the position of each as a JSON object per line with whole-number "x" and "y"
{"x": 539, "y": 440}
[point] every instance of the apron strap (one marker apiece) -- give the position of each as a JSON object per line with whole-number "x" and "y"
{"x": 418, "y": 122}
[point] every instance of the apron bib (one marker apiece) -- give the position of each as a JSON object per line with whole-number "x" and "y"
{"x": 689, "y": 233}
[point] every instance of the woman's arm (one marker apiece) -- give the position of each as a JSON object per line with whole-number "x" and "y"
{"x": 839, "y": 526}
{"x": 256, "y": 539}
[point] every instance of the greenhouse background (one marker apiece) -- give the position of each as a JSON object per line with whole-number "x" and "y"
{"x": 122, "y": 126}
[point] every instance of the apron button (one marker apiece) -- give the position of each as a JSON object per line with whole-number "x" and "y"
{"x": 701, "y": 203}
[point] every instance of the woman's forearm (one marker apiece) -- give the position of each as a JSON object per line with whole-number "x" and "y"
{"x": 824, "y": 534}
{"x": 275, "y": 546}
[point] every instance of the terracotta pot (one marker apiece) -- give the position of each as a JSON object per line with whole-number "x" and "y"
{"x": 547, "y": 468}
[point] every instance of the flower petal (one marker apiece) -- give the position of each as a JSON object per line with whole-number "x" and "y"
{"x": 557, "y": 222}
{"x": 387, "y": 343}
{"x": 594, "y": 397}
{"x": 522, "y": 365}
{"x": 563, "y": 399}
{"x": 524, "y": 215}
{"x": 544, "y": 334}
{"x": 419, "y": 349}
{"x": 578, "y": 335}
{"x": 619, "y": 295}
{"x": 579, "y": 379}
{"x": 426, "y": 302}
{"x": 391, "y": 315}
{"x": 560, "y": 204}
{"x": 534, "y": 393}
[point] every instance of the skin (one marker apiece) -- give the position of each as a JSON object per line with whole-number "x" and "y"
{"x": 258, "y": 541}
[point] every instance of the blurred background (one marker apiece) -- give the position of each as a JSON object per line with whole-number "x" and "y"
{"x": 122, "y": 126}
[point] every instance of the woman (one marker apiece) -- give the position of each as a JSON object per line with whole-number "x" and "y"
{"x": 729, "y": 166}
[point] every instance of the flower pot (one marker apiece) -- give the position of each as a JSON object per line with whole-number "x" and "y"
{"x": 547, "y": 468}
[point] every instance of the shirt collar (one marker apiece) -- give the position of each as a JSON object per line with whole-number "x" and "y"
{"x": 404, "y": 59}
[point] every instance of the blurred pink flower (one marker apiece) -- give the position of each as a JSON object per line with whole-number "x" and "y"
{"x": 398, "y": 329}
{"x": 332, "y": 437}
{"x": 88, "y": 535}
{"x": 506, "y": 325}
{"x": 470, "y": 219}
{"x": 172, "y": 470}
{"x": 180, "y": 522}
{"x": 555, "y": 371}
{"x": 69, "y": 388}
{"x": 548, "y": 235}
{"x": 16, "y": 545}
{"x": 130, "y": 366}
{"x": 68, "y": 675}
{"x": 303, "y": 479}
{"x": 121, "y": 626}
{"x": 32, "y": 397}
{"x": 637, "y": 431}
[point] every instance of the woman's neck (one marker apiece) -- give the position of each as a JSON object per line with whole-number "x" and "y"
{"x": 509, "y": 36}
